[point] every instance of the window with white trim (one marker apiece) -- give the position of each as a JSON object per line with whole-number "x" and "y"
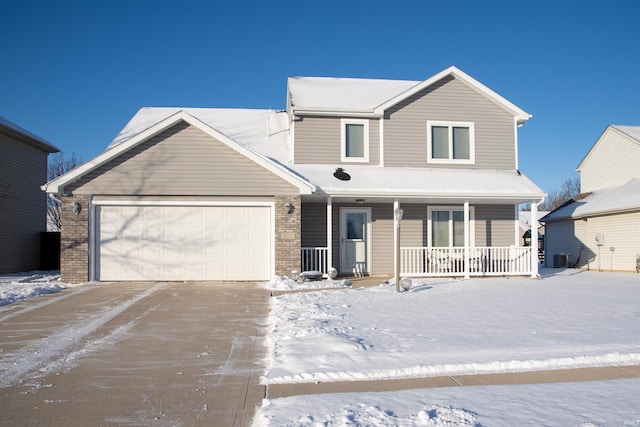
{"x": 451, "y": 142}
{"x": 355, "y": 140}
{"x": 446, "y": 226}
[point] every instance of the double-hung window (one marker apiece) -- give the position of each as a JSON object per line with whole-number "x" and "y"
{"x": 355, "y": 140}
{"x": 451, "y": 142}
{"x": 446, "y": 226}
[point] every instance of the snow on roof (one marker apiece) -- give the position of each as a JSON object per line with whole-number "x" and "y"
{"x": 343, "y": 94}
{"x": 524, "y": 219}
{"x": 632, "y": 131}
{"x": 266, "y": 132}
{"x": 46, "y": 145}
{"x": 611, "y": 199}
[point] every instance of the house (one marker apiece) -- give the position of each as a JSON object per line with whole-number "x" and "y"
{"x": 351, "y": 173}
{"x": 600, "y": 228}
{"x": 23, "y": 206}
{"x": 525, "y": 221}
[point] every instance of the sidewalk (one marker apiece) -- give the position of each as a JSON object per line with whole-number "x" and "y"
{"x": 275, "y": 391}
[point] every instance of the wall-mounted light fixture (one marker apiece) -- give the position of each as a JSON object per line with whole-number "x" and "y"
{"x": 359, "y": 201}
{"x": 76, "y": 208}
{"x": 290, "y": 208}
{"x": 341, "y": 174}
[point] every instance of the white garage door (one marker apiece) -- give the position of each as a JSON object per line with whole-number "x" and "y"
{"x": 183, "y": 243}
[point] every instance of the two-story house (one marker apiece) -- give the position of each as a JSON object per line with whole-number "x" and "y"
{"x": 353, "y": 172}
{"x": 600, "y": 228}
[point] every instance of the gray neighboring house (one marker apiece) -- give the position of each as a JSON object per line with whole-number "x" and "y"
{"x": 600, "y": 228}
{"x": 23, "y": 207}
{"x": 351, "y": 173}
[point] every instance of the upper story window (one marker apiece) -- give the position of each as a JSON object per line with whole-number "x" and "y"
{"x": 451, "y": 142}
{"x": 355, "y": 140}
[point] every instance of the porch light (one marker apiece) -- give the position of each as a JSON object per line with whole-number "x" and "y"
{"x": 76, "y": 208}
{"x": 359, "y": 201}
{"x": 290, "y": 208}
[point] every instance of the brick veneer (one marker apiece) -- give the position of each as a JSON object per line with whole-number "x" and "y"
{"x": 287, "y": 235}
{"x": 74, "y": 241}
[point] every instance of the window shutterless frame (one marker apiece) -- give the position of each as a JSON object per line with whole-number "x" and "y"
{"x": 354, "y": 135}
{"x": 451, "y": 142}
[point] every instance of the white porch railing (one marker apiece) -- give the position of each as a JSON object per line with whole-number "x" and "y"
{"x": 314, "y": 259}
{"x": 483, "y": 261}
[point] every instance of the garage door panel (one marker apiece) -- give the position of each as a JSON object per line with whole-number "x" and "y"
{"x": 184, "y": 243}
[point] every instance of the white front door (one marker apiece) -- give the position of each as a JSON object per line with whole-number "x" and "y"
{"x": 355, "y": 232}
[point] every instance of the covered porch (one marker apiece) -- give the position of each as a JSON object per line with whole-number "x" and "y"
{"x": 415, "y": 237}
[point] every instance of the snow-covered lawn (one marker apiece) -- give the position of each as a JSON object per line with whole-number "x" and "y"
{"x": 568, "y": 319}
{"x": 20, "y": 286}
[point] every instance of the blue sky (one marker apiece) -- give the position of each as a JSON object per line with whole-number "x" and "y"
{"x": 75, "y": 72}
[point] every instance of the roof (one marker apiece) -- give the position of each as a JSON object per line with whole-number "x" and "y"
{"x": 311, "y": 95}
{"x": 39, "y": 143}
{"x": 524, "y": 219}
{"x": 632, "y": 132}
{"x": 616, "y": 199}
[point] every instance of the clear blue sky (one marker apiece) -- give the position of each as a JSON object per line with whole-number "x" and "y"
{"x": 75, "y": 72}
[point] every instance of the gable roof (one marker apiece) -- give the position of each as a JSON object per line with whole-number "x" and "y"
{"x": 616, "y": 199}
{"x": 314, "y": 95}
{"x": 34, "y": 140}
{"x": 631, "y": 132}
{"x": 146, "y": 126}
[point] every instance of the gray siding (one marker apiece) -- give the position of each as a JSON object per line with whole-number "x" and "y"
{"x": 567, "y": 237}
{"x": 318, "y": 139}
{"x": 495, "y": 225}
{"x": 182, "y": 161}
{"x": 23, "y": 205}
{"x": 405, "y": 127}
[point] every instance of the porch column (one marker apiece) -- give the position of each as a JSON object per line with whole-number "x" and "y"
{"x": 397, "y": 217}
{"x": 467, "y": 239}
{"x": 534, "y": 240}
{"x": 329, "y": 233}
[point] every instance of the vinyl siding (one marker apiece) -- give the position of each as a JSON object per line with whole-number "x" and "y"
{"x": 23, "y": 205}
{"x": 614, "y": 160}
{"x": 405, "y": 127}
{"x": 318, "y": 139}
{"x": 182, "y": 161}
{"x": 495, "y": 225}
{"x": 567, "y": 237}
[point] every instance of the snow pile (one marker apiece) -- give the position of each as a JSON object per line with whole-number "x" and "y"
{"x": 455, "y": 327}
{"x": 283, "y": 283}
{"x": 21, "y": 286}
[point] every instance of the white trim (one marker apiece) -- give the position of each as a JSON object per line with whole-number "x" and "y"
{"x": 343, "y": 140}
{"x": 180, "y": 203}
{"x": 381, "y": 132}
{"x": 56, "y": 185}
{"x": 450, "y": 125}
{"x": 451, "y": 208}
{"x": 93, "y": 229}
{"x": 343, "y": 212}
{"x": 521, "y": 115}
{"x": 515, "y": 134}
{"x": 329, "y": 232}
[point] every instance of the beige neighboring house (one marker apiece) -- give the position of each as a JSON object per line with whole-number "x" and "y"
{"x": 23, "y": 207}
{"x": 352, "y": 172}
{"x": 600, "y": 228}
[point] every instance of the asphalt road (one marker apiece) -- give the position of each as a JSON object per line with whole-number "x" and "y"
{"x": 161, "y": 354}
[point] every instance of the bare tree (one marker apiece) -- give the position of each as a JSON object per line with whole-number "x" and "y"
{"x": 567, "y": 190}
{"x": 59, "y": 164}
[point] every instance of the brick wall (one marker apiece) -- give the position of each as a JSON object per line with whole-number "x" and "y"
{"x": 74, "y": 241}
{"x": 287, "y": 235}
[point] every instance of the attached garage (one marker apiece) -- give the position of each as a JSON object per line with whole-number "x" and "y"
{"x": 157, "y": 242}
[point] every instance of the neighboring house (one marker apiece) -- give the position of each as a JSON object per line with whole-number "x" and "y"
{"x": 600, "y": 228}
{"x": 224, "y": 194}
{"x": 524, "y": 218}
{"x": 23, "y": 206}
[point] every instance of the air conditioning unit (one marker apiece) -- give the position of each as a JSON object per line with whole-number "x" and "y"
{"x": 560, "y": 260}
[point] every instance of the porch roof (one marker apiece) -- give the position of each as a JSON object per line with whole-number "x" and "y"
{"x": 439, "y": 184}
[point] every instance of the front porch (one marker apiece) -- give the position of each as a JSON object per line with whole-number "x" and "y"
{"x": 439, "y": 262}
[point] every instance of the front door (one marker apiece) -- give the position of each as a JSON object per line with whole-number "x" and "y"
{"x": 355, "y": 239}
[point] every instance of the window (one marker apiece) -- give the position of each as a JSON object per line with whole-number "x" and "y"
{"x": 450, "y": 142}
{"x": 355, "y": 140}
{"x": 446, "y": 226}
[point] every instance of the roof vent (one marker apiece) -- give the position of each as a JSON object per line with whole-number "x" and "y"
{"x": 341, "y": 175}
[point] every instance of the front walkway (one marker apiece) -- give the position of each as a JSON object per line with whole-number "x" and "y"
{"x": 134, "y": 354}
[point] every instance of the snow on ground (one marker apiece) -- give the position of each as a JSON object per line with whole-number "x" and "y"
{"x": 281, "y": 283}
{"x": 569, "y": 319}
{"x": 19, "y": 286}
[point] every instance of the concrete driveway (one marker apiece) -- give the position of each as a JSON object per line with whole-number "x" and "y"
{"x": 161, "y": 354}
